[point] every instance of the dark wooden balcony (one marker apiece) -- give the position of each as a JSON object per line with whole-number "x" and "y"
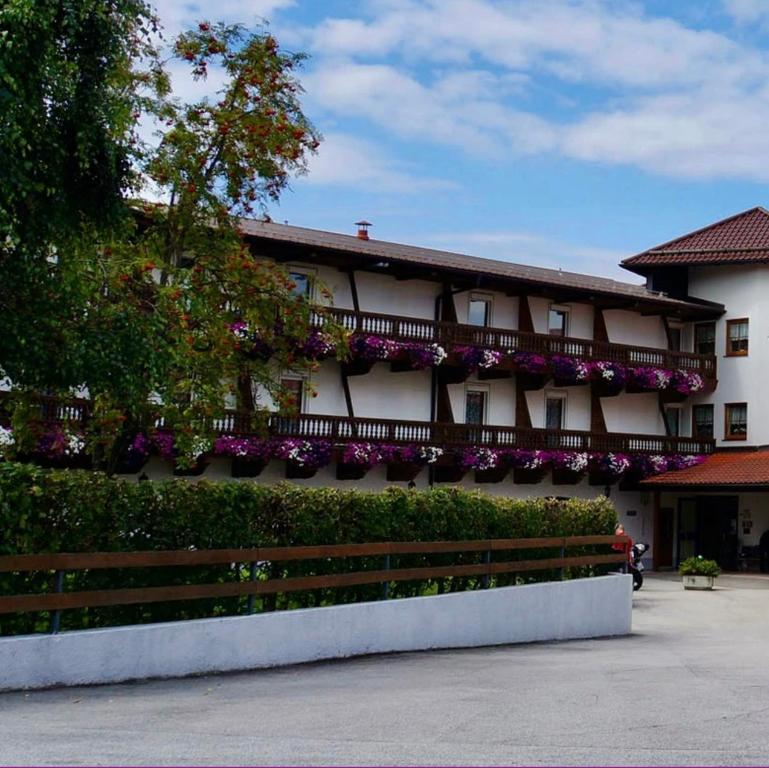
{"x": 341, "y": 429}
{"x": 408, "y": 329}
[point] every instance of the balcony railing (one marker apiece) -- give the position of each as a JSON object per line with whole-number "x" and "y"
{"x": 344, "y": 429}
{"x": 409, "y": 329}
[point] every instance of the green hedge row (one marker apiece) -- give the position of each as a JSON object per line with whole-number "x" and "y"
{"x": 78, "y": 511}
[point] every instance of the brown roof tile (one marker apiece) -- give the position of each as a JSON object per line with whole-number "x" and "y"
{"x": 722, "y": 468}
{"x": 743, "y": 238}
{"x": 460, "y": 263}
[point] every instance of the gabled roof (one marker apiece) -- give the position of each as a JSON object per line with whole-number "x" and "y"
{"x": 740, "y": 239}
{"x": 379, "y": 251}
{"x": 726, "y": 468}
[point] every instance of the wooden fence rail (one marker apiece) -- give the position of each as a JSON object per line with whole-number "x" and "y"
{"x": 62, "y": 562}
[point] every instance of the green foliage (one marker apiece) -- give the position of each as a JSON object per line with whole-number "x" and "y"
{"x": 699, "y": 566}
{"x": 134, "y": 303}
{"x": 75, "y": 511}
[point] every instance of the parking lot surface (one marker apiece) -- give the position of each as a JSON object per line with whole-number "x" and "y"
{"x": 690, "y": 686}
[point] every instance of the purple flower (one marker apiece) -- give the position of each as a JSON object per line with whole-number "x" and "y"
{"x": 316, "y": 346}
{"x": 570, "y": 369}
{"x": 522, "y": 459}
{"x": 310, "y": 454}
{"x": 242, "y": 447}
{"x": 57, "y": 443}
{"x": 612, "y": 374}
{"x": 374, "y": 348}
{"x": 164, "y": 443}
{"x": 478, "y": 458}
{"x": 416, "y": 454}
{"x": 613, "y": 464}
{"x": 363, "y": 454}
{"x": 478, "y": 357}
{"x": 424, "y": 355}
{"x": 140, "y": 446}
{"x": 647, "y": 377}
{"x": 686, "y": 382}
{"x": 573, "y": 461}
{"x": 530, "y": 362}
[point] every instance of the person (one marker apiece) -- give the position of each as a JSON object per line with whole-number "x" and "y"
{"x": 619, "y": 530}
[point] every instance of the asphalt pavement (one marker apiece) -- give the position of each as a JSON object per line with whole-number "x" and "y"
{"x": 690, "y": 686}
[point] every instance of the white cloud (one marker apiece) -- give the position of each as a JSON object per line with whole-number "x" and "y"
{"x": 535, "y": 250}
{"x": 345, "y": 160}
{"x": 488, "y": 77}
{"x": 746, "y": 11}
{"x": 177, "y": 15}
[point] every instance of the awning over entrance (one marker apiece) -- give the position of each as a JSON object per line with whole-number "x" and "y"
{"x": 724, "y": 470}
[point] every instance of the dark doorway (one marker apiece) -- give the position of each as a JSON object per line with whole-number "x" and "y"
{"x": 707, "y": 526}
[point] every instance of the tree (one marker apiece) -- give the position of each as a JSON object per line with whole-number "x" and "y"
{"x": 175, "y": 313}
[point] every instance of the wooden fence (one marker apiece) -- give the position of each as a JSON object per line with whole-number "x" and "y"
{"x": 60, "y": 563}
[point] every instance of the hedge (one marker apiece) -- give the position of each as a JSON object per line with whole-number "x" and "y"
{"x": 80, "y": 511}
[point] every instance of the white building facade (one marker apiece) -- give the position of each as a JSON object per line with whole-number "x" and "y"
{"x": 544, "y": 383}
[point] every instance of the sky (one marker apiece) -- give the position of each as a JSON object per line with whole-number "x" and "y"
{"x": 559, "y": 133}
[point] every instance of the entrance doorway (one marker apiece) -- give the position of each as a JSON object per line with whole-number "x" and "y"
{"x": 707, "y": 526}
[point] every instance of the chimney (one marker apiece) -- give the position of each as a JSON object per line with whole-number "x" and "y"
{"x": 363, "y": 229}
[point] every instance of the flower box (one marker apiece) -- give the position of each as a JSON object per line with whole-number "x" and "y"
{"x": 563, "y": 476}
{"x": 242, "y": 467}
{"x": 495, "y": 475}
{"x": 298, "y": 472}
{"x": 531, "y": 381}
{"x": 522, "y": 476}
{"x": 351, "y": 471}
{"x": 450, "y": 474}
{"x": 698, "y": 582}
{"x": 357, "y": 367}
{"x": 399, "y": 471}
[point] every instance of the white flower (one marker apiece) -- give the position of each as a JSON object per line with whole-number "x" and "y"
{"x": 438, "y": 353}
{"x": 430, "y": 454}
{"x": 6, "y": 439}
{"x": 73, "y": 444}
{"x": 199, "y": 446}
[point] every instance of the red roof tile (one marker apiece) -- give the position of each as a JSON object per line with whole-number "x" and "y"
{"x": 722, "y": 468}
{"x": 743, "y": 238}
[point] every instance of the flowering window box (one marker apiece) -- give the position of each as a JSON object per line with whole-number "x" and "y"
{"x": 298, "y": 472}
{"x": 450, "y": 474}
{"x": 357, "y": 367}
{"x": 246, "y": 467}
{"x": 351, "y": 471}
{"x": 495, "y": 475}
{"x": 563, "y": 476}
{"x": 399, "y": 471}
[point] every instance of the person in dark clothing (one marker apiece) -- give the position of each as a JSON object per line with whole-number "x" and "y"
{"x": 763, "y": 551}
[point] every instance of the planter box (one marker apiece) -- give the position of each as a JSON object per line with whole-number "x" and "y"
{"x": 698, "y": 582}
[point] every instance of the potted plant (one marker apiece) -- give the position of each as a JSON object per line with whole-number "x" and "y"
{"x": 698, "y": 573}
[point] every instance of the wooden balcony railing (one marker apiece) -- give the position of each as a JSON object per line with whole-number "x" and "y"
{"x": 430, "y": 331}
{"x": 340, "y": 429}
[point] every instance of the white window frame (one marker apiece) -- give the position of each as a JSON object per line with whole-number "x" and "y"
{"x": 309, "y": 272}
{"x": 677, "y": 407}
{"x": 475, "y": 387}
{"x": 293, "y": 376}
{"x": 489, "y": 299}
{"x": 556, "y": 394}
{"x": 567, "y": 317}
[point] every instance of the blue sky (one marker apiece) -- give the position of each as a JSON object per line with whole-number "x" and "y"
{"x": 561, "y": 133}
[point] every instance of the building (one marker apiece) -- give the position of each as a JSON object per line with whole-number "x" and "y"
{"x": 525, "y": 381}
{"x": 525, "y": 394}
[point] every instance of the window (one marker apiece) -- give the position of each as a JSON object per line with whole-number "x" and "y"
{"x": 479, "y": 311}
{"x": 302, "y": 283}
{"x": 673, "y": 420}
{"x": 558, "y": 321}
{"x": 702, "y": 421}
{"x": 705, "y": 338}
{"x": 674, "y": 338}
{"x": 555, "y": 410}
{"x": 736, "y": 421}
{"x": 475, "y": 406}
{"x": 736, "y": 337}
{"x": 294, "y": 389}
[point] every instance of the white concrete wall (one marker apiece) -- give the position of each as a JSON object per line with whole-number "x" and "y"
{"x": 625, "y": 327}
{"x": 382, "y": 394}
{"x": 744, "y": 291}
{"x": 636, "y": 413}
{"x": 500, "y": 400}
{"x": 577, "y": 415}
{"x": 596, "y": 607}
{"x": 580, "y": 323}
{"x": 504, "y": 309}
